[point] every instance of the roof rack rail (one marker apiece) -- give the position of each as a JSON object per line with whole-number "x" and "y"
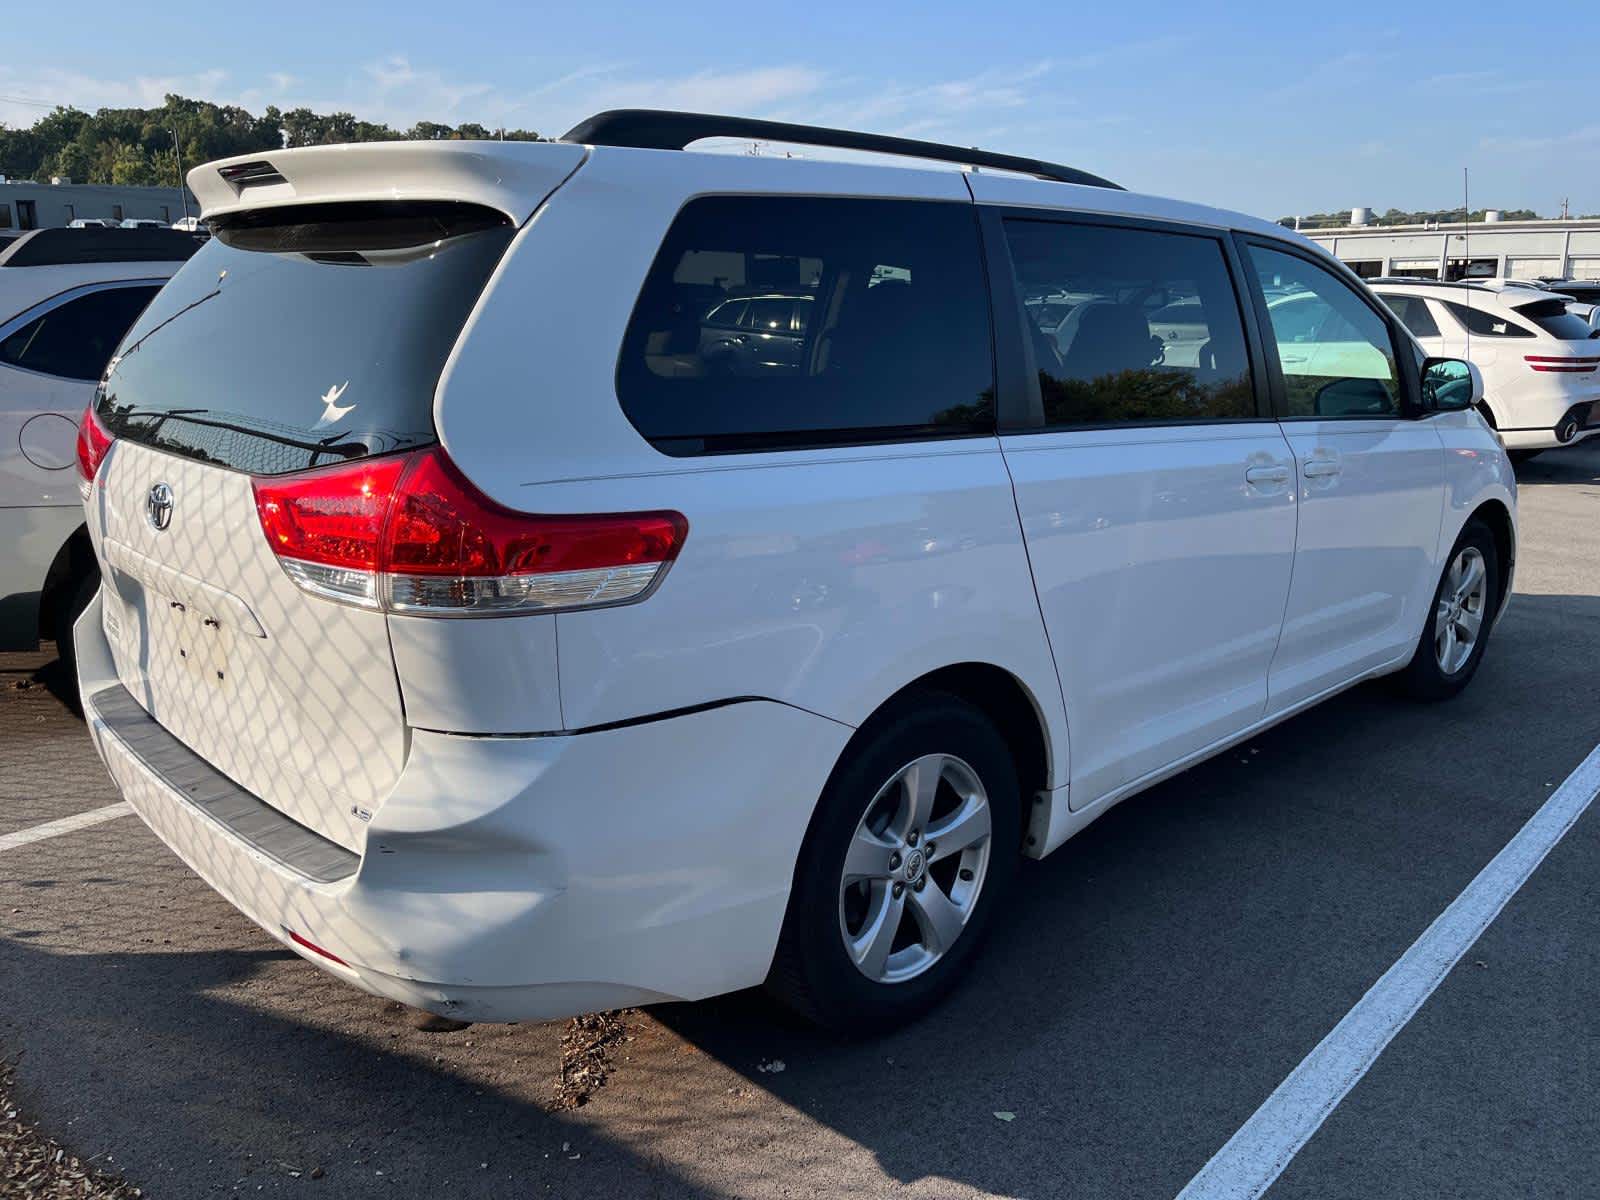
{"x": 660, "y": 129}
{"x": 66, "y": 247}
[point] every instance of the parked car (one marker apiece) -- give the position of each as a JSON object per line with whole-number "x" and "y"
{"x": 1540, "y": 362}
{"x": 93, "y": 223}
{"x": 761, "y": 332}
{"x": 840, "y": 639}
{"x": 1582, "y": 297}
{"x": 66, "y": 298}
{"x": 1585, "y": 290}
{"x": 142, "y": 223}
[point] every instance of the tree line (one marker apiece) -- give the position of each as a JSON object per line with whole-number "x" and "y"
{"x": 1399, "y": 216}
{"x": 135, "y": 145}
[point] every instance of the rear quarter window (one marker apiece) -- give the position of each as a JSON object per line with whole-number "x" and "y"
{"x": 1485, "y": 322}
{"x": 785, "y": 322}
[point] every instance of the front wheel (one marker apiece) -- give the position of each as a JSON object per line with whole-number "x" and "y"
{"x": 913, "y": 845}
{"x": 1457, "y": 629}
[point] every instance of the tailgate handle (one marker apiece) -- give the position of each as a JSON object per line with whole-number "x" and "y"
{"x": 169, "y": 580}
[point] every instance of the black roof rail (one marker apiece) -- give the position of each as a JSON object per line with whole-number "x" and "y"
{"x": 659, "y": 129}
{"x": 65, "y": 247}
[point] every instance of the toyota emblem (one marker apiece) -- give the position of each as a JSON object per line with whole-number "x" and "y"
{"x": 158, "y": 506}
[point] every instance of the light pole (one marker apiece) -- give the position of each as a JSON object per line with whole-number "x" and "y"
{"x": 177, "y": 153}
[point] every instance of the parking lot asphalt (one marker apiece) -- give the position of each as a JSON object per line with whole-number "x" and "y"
{"x": 1155, "y": 981}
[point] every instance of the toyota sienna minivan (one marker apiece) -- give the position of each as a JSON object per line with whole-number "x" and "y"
{"x": 499, "y": 634}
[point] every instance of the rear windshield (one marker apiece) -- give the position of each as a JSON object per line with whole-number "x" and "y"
{"x": 1552, "y": 317}
{"x": 298, "y": 337}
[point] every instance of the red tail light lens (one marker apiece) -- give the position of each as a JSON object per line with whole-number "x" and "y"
{"x": 326, "y": 526}
{"x": 1561, "y": 365}
{"x": 412, "y": 534}
{"x": 94, "y": 442}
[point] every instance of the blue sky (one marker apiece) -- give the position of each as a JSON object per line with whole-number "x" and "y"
{"x": 1270, "y": 109}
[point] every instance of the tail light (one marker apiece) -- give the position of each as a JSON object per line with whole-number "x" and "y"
{"x": 94, "y": 442}
{"x": 1563, "y": 366}
{"x": 411, "y": 534}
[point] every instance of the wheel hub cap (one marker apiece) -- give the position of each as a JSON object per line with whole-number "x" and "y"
{"x": 914, "y": 866}
{"x": 914, "y": 869}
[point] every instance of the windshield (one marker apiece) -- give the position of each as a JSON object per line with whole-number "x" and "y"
{"x": 297, "y": 337}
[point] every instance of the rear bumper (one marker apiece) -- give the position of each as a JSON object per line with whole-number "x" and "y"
{"x": 1581, "y": 420}
{"x": 520, "y": 878}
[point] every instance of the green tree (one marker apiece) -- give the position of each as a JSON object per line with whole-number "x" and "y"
{"x": 130, "y": 165}
{"x": 125, "y": 145}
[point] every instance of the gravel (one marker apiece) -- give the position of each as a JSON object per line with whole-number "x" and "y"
{"x": 34, "y": 1166}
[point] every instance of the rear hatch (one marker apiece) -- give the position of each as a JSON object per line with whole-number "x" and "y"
{"x": 1571, "y": 363}
{"x": 298, "y": 337}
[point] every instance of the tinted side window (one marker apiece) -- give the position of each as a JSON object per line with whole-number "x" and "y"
{"x": 730, "y": 313}
{"x": 1130, "y": 325}
{"x": 1335, "y": 351}
{"x": 1413, "y": 313}
{"x": 867, "y": 320}
{"x": 75, "y": 340}
{"x": 772, "y": 315}
{"x": 1481, "y": 322}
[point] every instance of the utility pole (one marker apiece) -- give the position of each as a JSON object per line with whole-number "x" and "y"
{"x": 1564, "y": 207}
{"x": 177, "y": 152}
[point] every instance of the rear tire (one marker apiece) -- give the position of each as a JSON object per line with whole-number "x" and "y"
{"x": 856, "y": 956}
{"x": 1459, "y": 620}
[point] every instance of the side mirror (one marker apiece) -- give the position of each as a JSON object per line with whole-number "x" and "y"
{"x": 1450, "y": 385}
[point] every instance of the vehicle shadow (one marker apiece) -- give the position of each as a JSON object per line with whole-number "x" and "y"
{"x": 152, "y": 1058}
{"x": 40, "y": 669}
{"x": 1158, "y": 976}
{"x": 53, "y": 676}
{"x": 1576, "y": 464}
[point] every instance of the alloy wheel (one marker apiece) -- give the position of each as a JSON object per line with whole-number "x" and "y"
{"x": 1458, "y": 620}
{"x": 915, "y": 868}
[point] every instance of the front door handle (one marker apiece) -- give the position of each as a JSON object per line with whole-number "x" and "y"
{"x": 1320, "y": 468}
{"x": 1261, "y": 476}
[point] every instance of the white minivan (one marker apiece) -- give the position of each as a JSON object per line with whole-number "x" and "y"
{"x": 500, "y": 632}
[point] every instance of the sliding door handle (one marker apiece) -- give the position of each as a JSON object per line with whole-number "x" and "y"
{"x": 1261, "y": 476}
{"x": 1320, "y": 468}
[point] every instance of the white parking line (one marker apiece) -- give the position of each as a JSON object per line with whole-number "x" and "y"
{"x": 50, "y": 829}
{"x": 1256, "y": 1155}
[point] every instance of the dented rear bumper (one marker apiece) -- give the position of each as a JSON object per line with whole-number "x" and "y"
{"x": 513, "y": 878}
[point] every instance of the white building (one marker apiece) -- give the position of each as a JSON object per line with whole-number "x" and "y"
{"x": 26, "y": 204}
{"x": 1513, "y": 249}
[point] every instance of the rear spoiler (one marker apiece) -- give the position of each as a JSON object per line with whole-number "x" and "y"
{"x": 510, "y": 177}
